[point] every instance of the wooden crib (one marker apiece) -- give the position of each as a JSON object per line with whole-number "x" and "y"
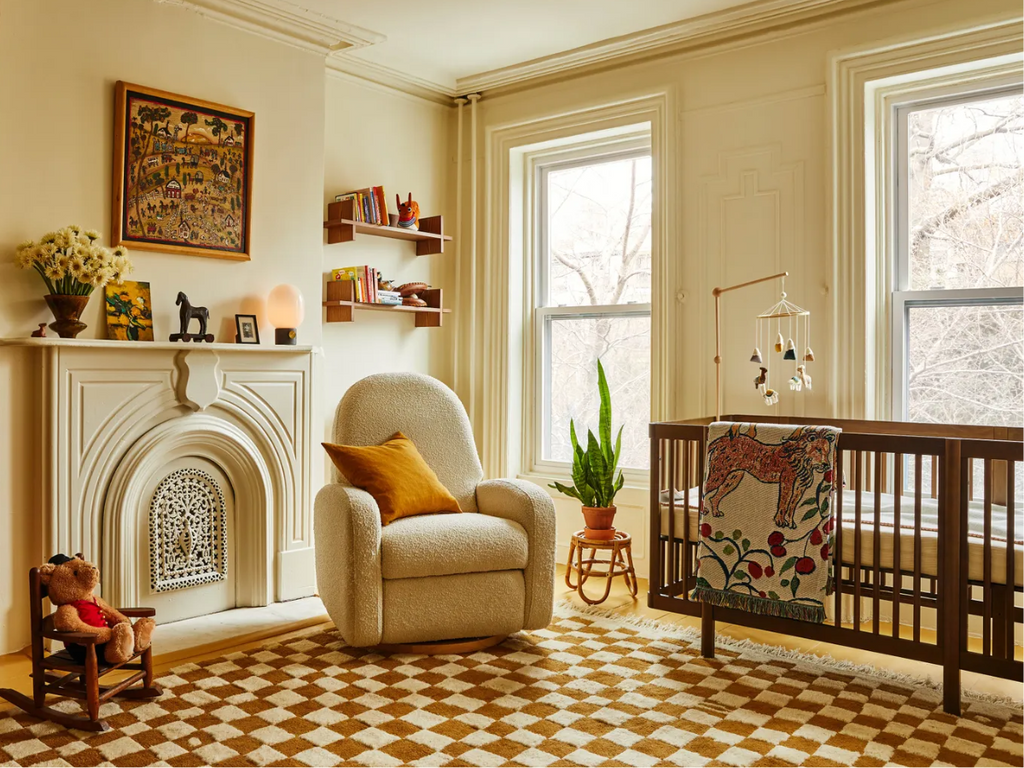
{"x": 928, "y": 530}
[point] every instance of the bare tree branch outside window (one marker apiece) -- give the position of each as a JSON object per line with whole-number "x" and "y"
{"x": 965, "y": 364}
{"x": 598, "y": 235}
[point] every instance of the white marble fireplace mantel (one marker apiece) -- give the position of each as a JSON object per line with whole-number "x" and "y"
{"x": 123, "y": 422}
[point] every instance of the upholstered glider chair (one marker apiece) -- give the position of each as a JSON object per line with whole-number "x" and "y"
{"x": 486, "y": 572}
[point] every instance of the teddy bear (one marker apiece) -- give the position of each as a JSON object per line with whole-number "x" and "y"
{"x": 70, "y": 582}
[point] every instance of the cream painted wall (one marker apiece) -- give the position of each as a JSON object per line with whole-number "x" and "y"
{"x": 749, "y": 180}
{"x": 59, "y": 60}
{"x": 379, "y": 137}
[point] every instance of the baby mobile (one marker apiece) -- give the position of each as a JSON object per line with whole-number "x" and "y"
{"x": 792, "y": 331}
{"x": 796, "y": 321}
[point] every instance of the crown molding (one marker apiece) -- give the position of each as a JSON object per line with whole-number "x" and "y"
{"x": 283, "y": 22}
{"x": 749, "y": 19}
{"x": 341, "y": 64}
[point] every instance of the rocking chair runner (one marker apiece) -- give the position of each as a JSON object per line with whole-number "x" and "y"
{"x": 80, "y": 681}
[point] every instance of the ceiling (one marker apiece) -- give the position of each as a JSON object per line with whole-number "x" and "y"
{"x": 448, "y": 42}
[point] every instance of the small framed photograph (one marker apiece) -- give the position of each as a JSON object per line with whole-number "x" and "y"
{"x": 248, "y": 330}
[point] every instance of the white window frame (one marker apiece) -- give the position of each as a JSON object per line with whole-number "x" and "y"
{"x": 587, "y": 153}
{"x": 903, "y": 298}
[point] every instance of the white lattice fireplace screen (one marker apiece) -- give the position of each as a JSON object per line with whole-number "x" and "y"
{"x": 187, "y": 531}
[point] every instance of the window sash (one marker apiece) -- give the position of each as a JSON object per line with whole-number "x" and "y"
{"x": 542, "y": 344}
{"x": 638, "y": 149}
{"x": 903, "y": 299}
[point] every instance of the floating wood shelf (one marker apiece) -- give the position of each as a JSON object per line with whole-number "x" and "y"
{"x": 342, "y": 227}
{"x": 340, "y": 304}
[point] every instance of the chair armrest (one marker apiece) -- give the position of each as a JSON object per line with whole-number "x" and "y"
{"x": 529, "y": 505}
{"x": 81, "y": 638}
{"x": 138, "y": 613}
{"x": 347, "y": 530}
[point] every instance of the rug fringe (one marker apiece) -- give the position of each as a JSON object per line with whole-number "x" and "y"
{"x": 825, "y": 662}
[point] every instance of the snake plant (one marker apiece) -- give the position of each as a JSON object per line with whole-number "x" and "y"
{"x": 594, "y": 469}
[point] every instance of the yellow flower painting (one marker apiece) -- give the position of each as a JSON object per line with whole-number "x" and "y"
{"x": 129, "y": 311}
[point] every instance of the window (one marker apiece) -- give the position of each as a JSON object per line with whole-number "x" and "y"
{"x": 593, "y": 299}
{"x": 957, "y": 314}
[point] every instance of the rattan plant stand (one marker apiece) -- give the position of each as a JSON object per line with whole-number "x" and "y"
{"x": 619, "y": 562}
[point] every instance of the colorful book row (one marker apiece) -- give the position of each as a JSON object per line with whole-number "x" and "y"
{"x": 370, "y": 205}
{"x": 366, "y": 288}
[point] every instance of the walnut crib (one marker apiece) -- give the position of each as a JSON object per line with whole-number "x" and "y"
{"x": 928, "y": 530}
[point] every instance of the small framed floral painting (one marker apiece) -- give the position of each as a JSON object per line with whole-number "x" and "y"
{"x": 129, "y": 311}
{"x": 182, "y": 174}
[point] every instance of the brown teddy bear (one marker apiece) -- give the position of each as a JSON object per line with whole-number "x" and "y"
{"x": 71, "y": 581}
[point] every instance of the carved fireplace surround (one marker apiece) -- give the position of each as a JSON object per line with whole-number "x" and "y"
{"x": 180, "y": 467}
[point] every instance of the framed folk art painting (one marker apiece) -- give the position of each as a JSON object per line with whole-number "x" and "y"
{"x": 182, "y": 174}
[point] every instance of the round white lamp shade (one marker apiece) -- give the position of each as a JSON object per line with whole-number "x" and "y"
{"x": 285, "y": 311}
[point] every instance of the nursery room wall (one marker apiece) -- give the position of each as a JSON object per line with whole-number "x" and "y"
{"x": 747, "y": 196}
{"x": 59, "y": 60}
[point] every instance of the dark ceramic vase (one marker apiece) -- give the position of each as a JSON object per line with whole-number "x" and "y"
{"x": 67, "y": 310}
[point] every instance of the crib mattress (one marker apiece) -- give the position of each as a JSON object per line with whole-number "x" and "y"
{"x": 929, "y": 533}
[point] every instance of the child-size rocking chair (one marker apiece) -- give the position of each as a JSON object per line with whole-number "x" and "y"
{"x": 80, "y": 681}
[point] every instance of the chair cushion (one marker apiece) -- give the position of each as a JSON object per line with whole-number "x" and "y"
{"x": 442, "y": 545}
{"x": 397, "y": 477}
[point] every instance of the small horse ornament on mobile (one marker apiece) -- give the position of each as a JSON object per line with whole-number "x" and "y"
{"x": 186, "y": 314}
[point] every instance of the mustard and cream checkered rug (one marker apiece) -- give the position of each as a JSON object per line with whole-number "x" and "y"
{"x": 588, "y": 690}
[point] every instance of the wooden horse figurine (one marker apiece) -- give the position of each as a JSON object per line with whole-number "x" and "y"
{"x": 186, "y": 314}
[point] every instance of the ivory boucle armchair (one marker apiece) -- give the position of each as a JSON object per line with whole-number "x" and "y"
{"x": 488, "y": 571}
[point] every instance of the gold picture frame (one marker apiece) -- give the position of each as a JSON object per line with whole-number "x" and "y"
{"x": 183, "y": 169}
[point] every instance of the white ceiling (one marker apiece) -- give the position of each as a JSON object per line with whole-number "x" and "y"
{"x": 443, "y": 41}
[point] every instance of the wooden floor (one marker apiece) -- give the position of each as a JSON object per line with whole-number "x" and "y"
{"x": 15, "y": 667}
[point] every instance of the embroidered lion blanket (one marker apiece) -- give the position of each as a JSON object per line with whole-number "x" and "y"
{"x": 766, "y": 522}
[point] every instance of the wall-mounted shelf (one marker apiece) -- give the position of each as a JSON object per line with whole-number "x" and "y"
{"x": 340, "y": 305}
{"x": 342, "y": 227}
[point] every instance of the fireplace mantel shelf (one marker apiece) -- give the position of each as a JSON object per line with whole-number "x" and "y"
{"x": 109, "y": 344}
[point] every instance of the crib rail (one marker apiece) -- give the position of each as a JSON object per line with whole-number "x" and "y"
{"x": 919, "y": 570}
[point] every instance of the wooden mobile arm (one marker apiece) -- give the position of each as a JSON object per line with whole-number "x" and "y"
{"x": 717, "y": 293}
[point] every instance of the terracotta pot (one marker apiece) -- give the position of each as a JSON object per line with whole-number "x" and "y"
{"x": 67, "y": 310}
{"x": 598, "y": 523}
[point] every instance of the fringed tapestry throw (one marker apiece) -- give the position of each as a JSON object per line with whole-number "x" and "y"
{"x": 766, "y": 523}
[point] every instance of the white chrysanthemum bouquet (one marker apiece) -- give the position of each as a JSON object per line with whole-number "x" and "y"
{"x": 72, "y": 262}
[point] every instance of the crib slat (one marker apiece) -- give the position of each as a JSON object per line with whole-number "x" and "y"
{"x": 917, "y": 548}
{"x": 897, "y": 574}
{"x": 838, "y": 480}
{"x": 1011, "y": 554}
{"x": 670, "y": 565}
{"x": 986, "y": 630}
{"x": 877, "y": 546}
{"x": 858, "y": 476}
{"x": 687, "y": 481}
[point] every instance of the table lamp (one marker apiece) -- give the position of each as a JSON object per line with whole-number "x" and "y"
{"x": 285, "y": 312}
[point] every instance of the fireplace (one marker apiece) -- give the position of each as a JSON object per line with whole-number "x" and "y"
{"x": 184, "y": 471}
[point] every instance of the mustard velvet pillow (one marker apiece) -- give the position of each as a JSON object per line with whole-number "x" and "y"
{"x": 396, "y": 475}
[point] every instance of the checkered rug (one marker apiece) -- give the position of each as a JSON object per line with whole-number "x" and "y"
{"x": 588, "y": 690}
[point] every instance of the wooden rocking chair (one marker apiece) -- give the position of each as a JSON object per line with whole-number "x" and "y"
{"x": 80, "y": 681}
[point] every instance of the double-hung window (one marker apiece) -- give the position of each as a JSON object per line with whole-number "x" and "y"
{"x": 957, "y": 315}
{"x": 593, "y": 300}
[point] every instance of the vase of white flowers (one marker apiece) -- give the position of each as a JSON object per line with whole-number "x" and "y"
{"x": 72, "y": 264}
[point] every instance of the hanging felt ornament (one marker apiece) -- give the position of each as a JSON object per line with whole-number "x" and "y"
{"x": 803, "y": 376}
{"x": 790, "y": 351}
{"x": 779, "y": 341}
{"x": 809, "y": 355}
{"x": 795, "y": 384}
{"x": 756, "y": 357}
{"x": 771, "y": 397}
{"x": 761, "y": 379}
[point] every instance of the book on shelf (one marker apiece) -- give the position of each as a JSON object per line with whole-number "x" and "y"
{"x": 369, "y": 205}
{"x": 365, "y": 279}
